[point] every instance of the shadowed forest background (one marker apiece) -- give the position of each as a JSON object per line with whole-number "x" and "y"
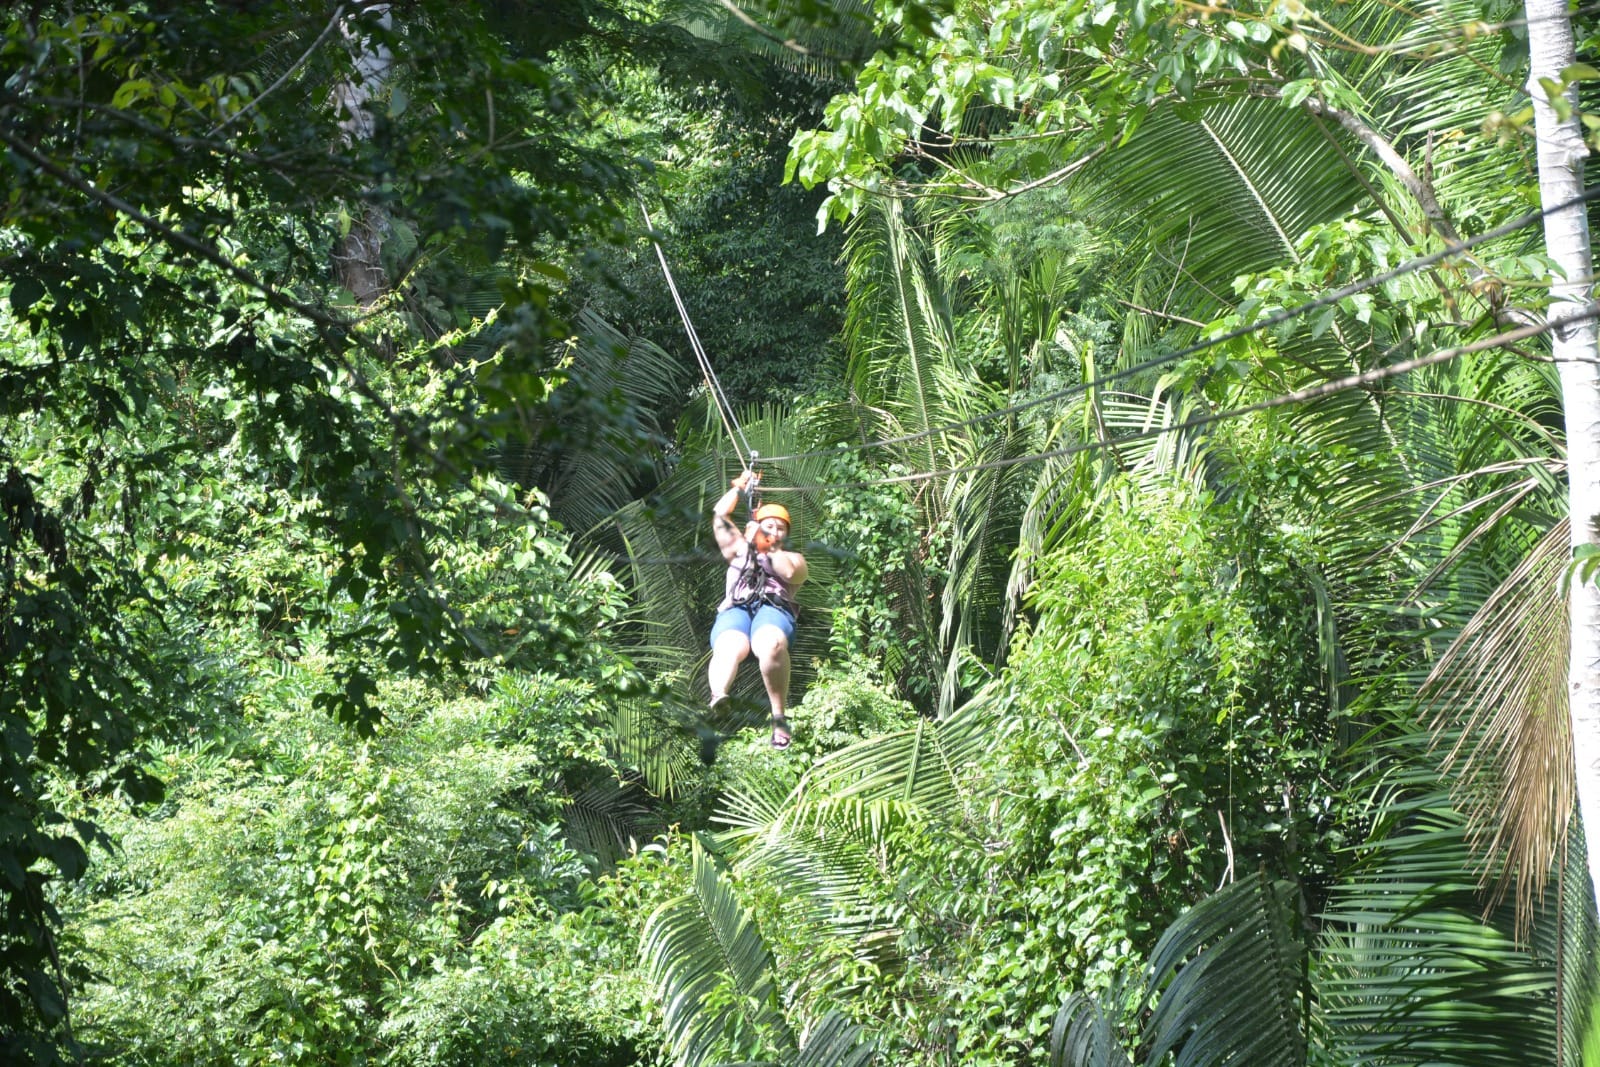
{"x": 1165, "y": 400}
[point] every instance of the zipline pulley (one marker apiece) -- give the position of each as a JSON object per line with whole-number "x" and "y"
{"x": 752, "y": 486}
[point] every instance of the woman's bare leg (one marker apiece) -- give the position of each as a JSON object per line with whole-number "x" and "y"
{"x": 730, "y": 650}
{"x": 772, "y": 652}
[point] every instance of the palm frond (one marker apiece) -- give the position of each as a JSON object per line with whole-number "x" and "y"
{"x": 1180, "y": 452}
{"x": 1441, "y": 88}
{"x": 1407, "y": 971}
{"x": 907, "y": 361}
{"x": 659, "y": 742}
{"x": 605, "y": 818}
{"x": 675, "y": 588}
{"x": 828, "y": 854}
{"x": 832, "y": 840}
{"x": 1231, "y": 976}
{"x": 1573, "y": 941}
{"x": 594, "y": 443}
{"x": 1085, "y": 1035}
{"x": 925, "y": 766}
{"x": 711, "y": 967}
{"x": 982, "y": 533}
{"x": 1254, "y": 177}
{"x": 834, "y": 1041}
{"x": 1226, "y": 982}
{"x": 818, "y": 40}
{"x": 1061, "y": 503}
{"x": 898, "y": 328}
{"x": 1500, "y": 690}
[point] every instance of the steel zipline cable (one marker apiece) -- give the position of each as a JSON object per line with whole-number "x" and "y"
{"x": 1310, "y": 393}
{"x": 1313, "y": 392}
{"x": 719, "y": 399}
{"x": 1289, "y": 314}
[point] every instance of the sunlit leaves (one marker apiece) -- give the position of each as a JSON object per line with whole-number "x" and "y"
{"x": 179, "y": 378}
{"x": 307, "y": 892}
{"x": 1036, "y": 68}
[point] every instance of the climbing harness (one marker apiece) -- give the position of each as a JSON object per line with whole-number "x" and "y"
{"x": 753, "y": 577}
{"x": 754, "y": 584}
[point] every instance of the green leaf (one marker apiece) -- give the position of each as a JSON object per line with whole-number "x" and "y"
{"x": 700, "y": 947}
{"x": 25, "y": 292}
{"x": 130, "y": 91}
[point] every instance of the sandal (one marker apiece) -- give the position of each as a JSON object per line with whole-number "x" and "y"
{"x": 780, "y": 732}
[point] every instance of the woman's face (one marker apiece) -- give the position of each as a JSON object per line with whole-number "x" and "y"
{"x": 770, "y": 534}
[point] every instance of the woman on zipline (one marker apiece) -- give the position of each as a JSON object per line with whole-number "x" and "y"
{"x": 758, "y": 607}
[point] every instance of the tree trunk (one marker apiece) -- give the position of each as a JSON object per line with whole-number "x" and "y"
{"x": 358, "y": 259}
{"x": 1573, "y": 344}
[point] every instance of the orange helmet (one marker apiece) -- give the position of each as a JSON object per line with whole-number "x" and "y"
{"x": 773, "y": 511}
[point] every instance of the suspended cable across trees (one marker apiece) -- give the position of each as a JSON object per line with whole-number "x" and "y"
{"x": 1410, "y": 266}
{"x": 748, "y": 457}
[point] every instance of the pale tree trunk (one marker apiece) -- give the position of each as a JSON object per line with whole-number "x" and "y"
{"x": 1573, "y": 344}
{"x": 358, "y": 259}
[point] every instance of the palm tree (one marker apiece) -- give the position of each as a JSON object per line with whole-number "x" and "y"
{"x": 1575, "y": 343}
{"x": 913, "y": 382}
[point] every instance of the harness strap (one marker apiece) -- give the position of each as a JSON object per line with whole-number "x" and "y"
{"x": 757, "y": 597}
{"x": 765, "y": 601}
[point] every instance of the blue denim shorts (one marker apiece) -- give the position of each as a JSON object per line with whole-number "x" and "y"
{"x": 747, "y": 620}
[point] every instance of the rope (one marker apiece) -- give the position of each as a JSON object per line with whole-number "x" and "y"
{"x": 1323, "y": 389}
{"x": 1072, "y": 391}
{"x": 730, "y": 421}
{"x": 1314, "y": 392}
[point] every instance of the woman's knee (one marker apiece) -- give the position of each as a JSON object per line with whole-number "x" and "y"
{"x": 731, "y": 643}
{"x": 769, "y": 642}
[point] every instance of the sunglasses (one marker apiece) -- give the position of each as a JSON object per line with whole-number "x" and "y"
{"x": 772, "y": 526}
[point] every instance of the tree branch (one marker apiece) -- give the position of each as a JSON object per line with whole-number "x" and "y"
{"x": 338, "y": 13}
{"x": 1420, "y": 189}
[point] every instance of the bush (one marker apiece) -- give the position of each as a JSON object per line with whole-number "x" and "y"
{"x": 311, "y": 898}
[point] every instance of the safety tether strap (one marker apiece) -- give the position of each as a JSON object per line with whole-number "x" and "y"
{"x": 719, "y": 399}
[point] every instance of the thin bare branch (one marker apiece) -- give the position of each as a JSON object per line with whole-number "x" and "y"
{"x": 1420, "y": 190}
{"x": 782, "y": 42}
{"x": 338, "y": 13}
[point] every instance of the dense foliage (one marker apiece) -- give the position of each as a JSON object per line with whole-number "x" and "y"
{"x": 1172, "y": 685}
